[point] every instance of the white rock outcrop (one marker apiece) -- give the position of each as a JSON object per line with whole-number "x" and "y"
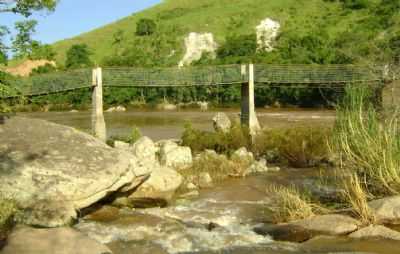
{"x": 267, "y": 31}
{"x": 196, "y": 44}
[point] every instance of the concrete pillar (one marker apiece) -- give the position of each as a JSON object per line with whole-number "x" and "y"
{"x": 248, "y": 112}
{"x": 98, "y": 123}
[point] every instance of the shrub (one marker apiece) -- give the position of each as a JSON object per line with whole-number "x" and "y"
{"x": 48, "y": 68}
{"x": 238, "y": 45}
{"x": 220, "y": 142}
{"x": 289, "y": 204}
{"x": 145, "y": 27}
{"x": 134, "y": 136}
{"x": 355, "y": 4}
{"x": 301, "y": 146}
{"x": 78, "y": 56}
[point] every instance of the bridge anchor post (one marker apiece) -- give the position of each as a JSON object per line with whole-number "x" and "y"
{"x": 248, "y": 112}
{"x": 98, "y": 122}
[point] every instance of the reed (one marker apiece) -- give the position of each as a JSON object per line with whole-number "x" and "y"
{"x": 368, "y": 143}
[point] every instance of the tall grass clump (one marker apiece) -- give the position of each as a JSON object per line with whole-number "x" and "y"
{"x": 368, "y": 142}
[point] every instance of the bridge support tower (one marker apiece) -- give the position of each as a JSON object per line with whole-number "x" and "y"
{"x": 98, "y": 122}
{"x": 248, "y": 112}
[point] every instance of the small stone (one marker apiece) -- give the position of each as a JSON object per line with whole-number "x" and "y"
{"x": 274, "y": 169}
{"x": 191, "y": 186}
{"x": 257, "y": 167}
{"x": 121, "y": 145}
{"x": 190, "y": 194}
{"x": 222, "y": 122}
{"x": 205, "y": 180}
{"x": 242, "y": 155}
{"x": 116, "y": 109}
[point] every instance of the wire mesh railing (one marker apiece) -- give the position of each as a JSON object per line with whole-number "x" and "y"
{"x": 50, "y": 83}
{"x": 269, "y": 75}
{"x": 173, "y": 77}
{"x": 321, "y": 75}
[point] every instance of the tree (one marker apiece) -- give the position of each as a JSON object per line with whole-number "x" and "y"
{"x": 42, "y": 51}
{"x": 26, "y": 7}
{"x": 3, "y": 48}
{"x": 22, "y": 43}
{"x": 145, "y": 27}
{"x": 78, "y": 56}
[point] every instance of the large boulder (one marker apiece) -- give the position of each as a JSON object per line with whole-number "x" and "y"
{"x": 376, "y": 231}
{"x": 145, "y": 149}
{"x": 386, "y": 210}
{"x": 222, "y": 122}
{"x": 330, "y": 224}
{"x": 52, "y": 241}
{"x": 52, "y": 171}
{"x": 175, "y": 156}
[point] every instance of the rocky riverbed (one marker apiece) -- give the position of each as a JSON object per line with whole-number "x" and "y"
{"x": 78, "y": 195}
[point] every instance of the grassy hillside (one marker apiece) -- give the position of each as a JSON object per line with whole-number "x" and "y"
{"x": 176, "y": 18}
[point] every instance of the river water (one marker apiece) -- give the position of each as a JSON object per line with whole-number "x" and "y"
{"x": 169, "y": 124}
{"x": 221, "y": 219}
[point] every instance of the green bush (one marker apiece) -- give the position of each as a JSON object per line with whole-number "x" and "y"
{"x": 300, "y": 147}
{"x": 238, "y": 46}
{"x": 78, "y": 56}
{"x": 220, "y": 142}
{"x": 145, "y": 27}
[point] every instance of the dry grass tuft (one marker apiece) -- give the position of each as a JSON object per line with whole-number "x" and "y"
{"x": 289, "y": 204}
{"x": 356, "y": 195}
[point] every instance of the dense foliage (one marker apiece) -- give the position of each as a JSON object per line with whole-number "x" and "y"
{"x": 145, "y": 27}
{"x": 313, "y": 32}
{"x": 78, "y": 56}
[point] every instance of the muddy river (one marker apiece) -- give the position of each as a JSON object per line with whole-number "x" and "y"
{"x": 169, "y": 124}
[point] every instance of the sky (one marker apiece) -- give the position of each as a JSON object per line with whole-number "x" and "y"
{"x": 73, "y": 17}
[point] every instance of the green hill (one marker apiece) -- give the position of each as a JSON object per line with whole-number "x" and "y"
{"x": 320, "y": 31}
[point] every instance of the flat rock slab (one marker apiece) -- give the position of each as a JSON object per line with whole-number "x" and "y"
{"x": 376, "y": 231}
{"x": 53, "y": 170}
{"x": 386, "y": 210}
{"x": 52, "y": 241}
{"x": 330, "y": 224}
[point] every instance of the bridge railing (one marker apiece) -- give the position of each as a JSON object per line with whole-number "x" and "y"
{"x": 278, "y": 75}
{"x": 321, "y": 75}
{"x": 173, "y": 77}
{"x": 49, "y": 83}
